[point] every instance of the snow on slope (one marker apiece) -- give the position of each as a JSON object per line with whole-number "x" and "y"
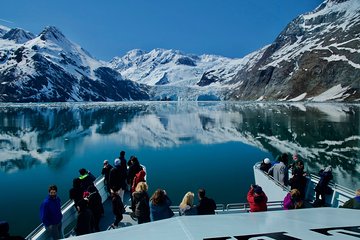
{"x": 178, "y": 68}
{"x": 349, "y": 11}
{"x": 56, "y": 47}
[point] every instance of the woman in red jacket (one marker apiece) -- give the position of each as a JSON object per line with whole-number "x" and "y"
{"x": 257, "y": 199}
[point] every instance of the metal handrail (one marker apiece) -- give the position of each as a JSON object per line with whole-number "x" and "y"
{"x": 285, "y": 188}
{"x": 312, "y": 177}
{"x": 64, "y": 208}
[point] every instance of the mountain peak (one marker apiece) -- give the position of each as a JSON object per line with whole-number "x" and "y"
{"x": 3, "y": 30}
{"x": 18, "y": 35}
{"x": 52, "y": 33}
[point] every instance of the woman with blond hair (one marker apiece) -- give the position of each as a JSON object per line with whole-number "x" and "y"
{"x": 186, "y": 206}
{"x": 141, "y": 203}
{"x": 293, "y": 200}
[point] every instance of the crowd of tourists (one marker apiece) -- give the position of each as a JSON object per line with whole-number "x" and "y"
{"x": 122, "y": 176}
{"x": 131, "y": 176}
{"x": 294, "y": 199}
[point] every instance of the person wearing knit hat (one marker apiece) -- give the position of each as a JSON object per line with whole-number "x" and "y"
{"x": 265, "y": 165}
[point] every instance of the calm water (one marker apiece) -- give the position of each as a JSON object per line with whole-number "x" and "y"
{"x": 183, "y": 145}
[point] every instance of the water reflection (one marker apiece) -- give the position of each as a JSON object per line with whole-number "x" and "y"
{"x": 208, "y": 142}
{"x": 322, "y": 134}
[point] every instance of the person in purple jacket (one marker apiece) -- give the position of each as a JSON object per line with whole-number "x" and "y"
{"x": 50, "y": 214}
{"x": 293, "y": 200}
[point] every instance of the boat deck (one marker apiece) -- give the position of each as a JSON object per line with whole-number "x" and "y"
{"x": 311, "y": 223}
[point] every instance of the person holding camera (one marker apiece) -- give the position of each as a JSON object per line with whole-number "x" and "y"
{"x": 257, "y": 199}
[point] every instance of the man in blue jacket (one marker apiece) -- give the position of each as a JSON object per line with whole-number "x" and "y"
{"x": 50, "y": 214}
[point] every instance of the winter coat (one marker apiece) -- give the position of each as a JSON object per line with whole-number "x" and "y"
{"x": 325, "y": 178}
{"x": 160, "y": 211}
{"x": 280, "y": 173}
{"x": 95, "y": 204}
{"x": 257, "y": 202}
{"x": 86, "y": 181}
{"x": 133, "y": 170}
{"x": 76, "y": 194}
{"x": 206, "y": 206}
{"x": 50, "y": 211}
{"x": 142, "y": 208}
{"x": 106, "y": 172}
{"x": 290, "y": 203}
{"x": 117, "y": 178}
{"x": 139, "y": 177}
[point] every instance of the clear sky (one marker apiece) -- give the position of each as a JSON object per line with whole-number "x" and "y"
{"x": 109, "y": 28}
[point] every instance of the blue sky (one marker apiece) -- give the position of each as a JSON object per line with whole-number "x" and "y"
{"x": 109, "y": 28}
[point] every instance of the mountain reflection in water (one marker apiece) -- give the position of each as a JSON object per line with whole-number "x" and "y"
{"x": 48, "y": 143}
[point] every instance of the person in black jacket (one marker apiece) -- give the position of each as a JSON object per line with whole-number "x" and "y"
{"x": 206, "y": 205}
{"x": 85, "y": 219}
{"x": 106, "y": 172}
{"x": 322, "y": 187}
{"x": 86, "y": 178}
{"x": 76, "y": 192}
{"x": 117, "y": 208}
{"x": 95, "y": 205}
{"x": 141, "y": 203}
{"x": 117, "y": 178}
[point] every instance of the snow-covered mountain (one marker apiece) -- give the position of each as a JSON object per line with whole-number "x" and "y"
{"x": 175, "y": 75}
{"x": 316, "y": 57}
{"x": 49, "y": 67}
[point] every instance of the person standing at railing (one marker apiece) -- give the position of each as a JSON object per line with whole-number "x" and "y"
{"x": 206, "y": 205}
{"x": 117, "y": 177}
{"x": 117, "y": 208}
{"x": 322, "y": 187}
{"x": 186, "y": 206}
{"x": 280, "y": 171}
{"x": 160, "y": 206}
{"x": 265, "y": 165}
{"x": 257, "y": 199}
{"x": 298, "y": 180}
{"x": 50, "y": 214}
{"x": 353, "y": 203}
{"x": 141, "y": 203}
{"x": 85, "y": 220}
{"x": 293, "y": 200}
{"x": 86, "y": 178}
{"x": 106, "y": 172}
{"x": 76, "y": 192}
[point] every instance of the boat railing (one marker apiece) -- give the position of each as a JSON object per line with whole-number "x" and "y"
{"x": 245, "y": 207}
{"x": 236, "y": 207}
